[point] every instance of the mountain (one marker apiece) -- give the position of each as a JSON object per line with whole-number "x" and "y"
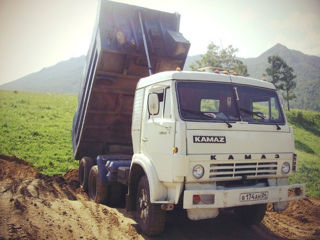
{"x": 64, "y": 77}
{"x": 190, "y": 60}
{"x": 306, "y": 67}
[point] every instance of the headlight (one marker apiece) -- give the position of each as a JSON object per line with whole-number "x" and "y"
{"x": 198, "y": 171}
{"x": 285, "y": 168}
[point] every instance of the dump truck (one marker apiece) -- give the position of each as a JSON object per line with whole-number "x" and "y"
{"x": 153, "y": 137}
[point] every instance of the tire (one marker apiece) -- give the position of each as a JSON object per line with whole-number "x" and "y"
{"x": 251, "y": 215}
{"x": 85, "y": 165}
{"x": 97, "y": 190}
{"x": 150, "y": 217}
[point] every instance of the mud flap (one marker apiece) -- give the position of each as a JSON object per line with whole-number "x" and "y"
{"x": 129, "y": 205}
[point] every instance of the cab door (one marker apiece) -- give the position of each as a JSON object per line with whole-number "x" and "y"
{"x": 157, "y": 136}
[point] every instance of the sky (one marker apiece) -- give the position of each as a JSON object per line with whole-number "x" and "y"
{"x": 39, "y": 33}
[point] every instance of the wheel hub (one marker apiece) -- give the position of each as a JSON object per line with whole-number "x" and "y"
{"x": 144, "y": 205}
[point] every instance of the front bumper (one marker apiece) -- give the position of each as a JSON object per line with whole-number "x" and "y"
{"x": 235, "y": 197}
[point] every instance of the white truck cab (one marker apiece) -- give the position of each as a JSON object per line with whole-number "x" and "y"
{"x": 212, "y": 141}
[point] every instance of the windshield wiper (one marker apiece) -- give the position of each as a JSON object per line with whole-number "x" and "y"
{"x": 259, "y": 114}
{"x": 206, "y": 116}
{"x": 277, "y": 125}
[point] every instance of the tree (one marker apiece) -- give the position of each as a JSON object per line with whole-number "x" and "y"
{"x": 282, "y": 76}
{"x": 288, "y": 84}
{"x": 219, "y": 57}
{"x": 275, "y": 70}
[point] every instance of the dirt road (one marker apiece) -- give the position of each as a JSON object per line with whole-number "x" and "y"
{"x": 36, "y": 206}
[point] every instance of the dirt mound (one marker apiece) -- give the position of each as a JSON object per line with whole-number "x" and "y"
{"x": 301, "y": 220}
{"x": 15, "y": 168}
{"x": 37, "y": 206}
{"x": 71, "y": 175}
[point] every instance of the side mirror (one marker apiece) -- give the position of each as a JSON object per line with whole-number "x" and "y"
{"x": 153, "y": 104}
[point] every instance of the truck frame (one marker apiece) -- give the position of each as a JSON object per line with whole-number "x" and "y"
{"x": 204, "y": 141}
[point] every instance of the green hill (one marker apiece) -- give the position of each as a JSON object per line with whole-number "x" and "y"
{"x": 36, "y": 127}
{"x": 306, "y": 127}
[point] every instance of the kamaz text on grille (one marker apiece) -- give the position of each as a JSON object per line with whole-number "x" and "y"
{"x": 209, "y": 139}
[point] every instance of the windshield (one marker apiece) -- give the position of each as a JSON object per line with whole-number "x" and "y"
{"x": 207, "y": 101}
{"x": 259, "y": 105}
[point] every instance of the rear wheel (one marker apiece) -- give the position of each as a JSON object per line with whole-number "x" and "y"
{"x": 251, "y": 215}
{"x": 85, "y": 165}
{"x": 97, "y": 189}
{"x": 151, "y": 217}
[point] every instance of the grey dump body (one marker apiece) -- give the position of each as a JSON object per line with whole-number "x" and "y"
{"x": 117, "y": 58}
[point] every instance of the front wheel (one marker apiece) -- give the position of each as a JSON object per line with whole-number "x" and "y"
{"x": 151, "y": 217}
{"x": 251, "y": 215}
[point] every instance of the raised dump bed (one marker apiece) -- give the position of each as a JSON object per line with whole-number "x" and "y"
{"x": 125, "y": 37}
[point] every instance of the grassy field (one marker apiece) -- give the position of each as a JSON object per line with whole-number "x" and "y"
{"x": 306, "y": 125}
{"x": 36, "y": 127}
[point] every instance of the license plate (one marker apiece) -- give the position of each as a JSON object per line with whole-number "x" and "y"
{"x": 253, "y": 196}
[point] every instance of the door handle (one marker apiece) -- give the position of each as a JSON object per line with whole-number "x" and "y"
{"x": 145, "y": 140}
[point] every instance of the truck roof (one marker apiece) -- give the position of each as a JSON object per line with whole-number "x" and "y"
{"x": 202, "y": 76}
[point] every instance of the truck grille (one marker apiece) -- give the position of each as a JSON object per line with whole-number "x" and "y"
{"x": 222, "y": 171}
